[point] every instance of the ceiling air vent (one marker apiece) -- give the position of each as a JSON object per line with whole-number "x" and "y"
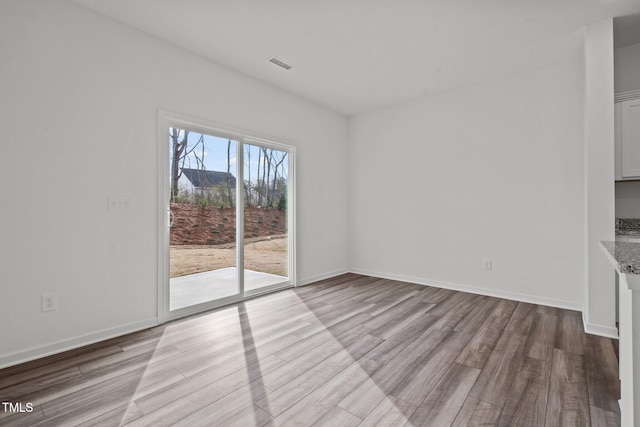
{"x": 280, "y": 63}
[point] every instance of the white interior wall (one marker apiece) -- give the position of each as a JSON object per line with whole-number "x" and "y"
{"x": 599, "y": 292}
{"x": 489, "y": 171}
{"x": 78, "y": 110}
{"x": 628, "y": 199}
{"x": 627, "y": 68}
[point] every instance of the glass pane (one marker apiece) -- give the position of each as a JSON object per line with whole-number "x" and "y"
{"x": 266, "y": 243}
{"x": 203, "y": 218}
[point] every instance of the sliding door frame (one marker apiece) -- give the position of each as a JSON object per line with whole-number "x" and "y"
{"x": 168, "y": 119}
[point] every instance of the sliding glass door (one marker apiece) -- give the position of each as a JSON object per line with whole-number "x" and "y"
{"x": 202, "y": 250}
{"x": 228, "y": 232}
{"x": 266, "y": 242}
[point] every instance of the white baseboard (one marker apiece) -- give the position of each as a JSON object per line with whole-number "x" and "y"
{"x": 39, "y": 352}
{"x": 323, "y": 276}
{"x": 474, "y": 290}
{"x": 603, "y": 331}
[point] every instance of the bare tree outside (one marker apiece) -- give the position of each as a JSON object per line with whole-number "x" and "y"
{"x": 178, "y": 154}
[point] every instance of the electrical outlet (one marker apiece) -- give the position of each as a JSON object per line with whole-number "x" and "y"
{"x": 49, "y": 302}
{"x": 487, "y": 264}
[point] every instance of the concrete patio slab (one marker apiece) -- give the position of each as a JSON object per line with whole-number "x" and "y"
{"x": 197, "y": 288}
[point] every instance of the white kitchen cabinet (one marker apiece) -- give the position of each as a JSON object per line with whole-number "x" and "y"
{"x": 627, "y": 115}
{"x": 624, "y": 256}
{"x": 629, "y": 350}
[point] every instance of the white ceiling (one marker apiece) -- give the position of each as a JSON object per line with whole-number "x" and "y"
{"x": 358, "y": 55}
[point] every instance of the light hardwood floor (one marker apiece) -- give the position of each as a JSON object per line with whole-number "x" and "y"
{"x": 349, "y": 351}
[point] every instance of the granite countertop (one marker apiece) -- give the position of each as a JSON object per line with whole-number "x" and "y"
{"x": 624, "y": 255}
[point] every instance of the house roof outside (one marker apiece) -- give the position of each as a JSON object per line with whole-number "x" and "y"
{"x": 204, "y": 178}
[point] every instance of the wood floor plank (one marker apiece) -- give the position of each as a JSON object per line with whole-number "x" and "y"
{"x": 320, "y": 401}
{"x": 14, "y": 392}
{"x": 526, "y": 403}
{"x": 522, "y": 318}
{"x": 436, "y": 295}
{"x": 167, "y": 406}
{"x": 252, "y": 415}
{"x": 477, "y": 351}
{"x": 476, "y": 413}
{"x": 602, "y": 418}
{"x": 355, "y": 291}
{"x": 392, "y": 288}
{"x": 420, "y": 381}
{"x": 602, "y": 373}
{"x": 302, "y": 346}
{"x": 381, "y": 319}
{"x": 245, "y": 328}
{"x": 148, "y": 353}
{"x": 542, "y": 336}
{"x": 372, "y": 289}
{"x": 23, "y": 373}
{"x": 501, "y": 314}
{"x": 334, "y": 326}
{"x": 328, "y": 293}
{"x": 476, "y": 317}
{"x": 570, "y": 332}
{"x": 397, "y": 297}
{"x": 397, "y": 343}
{"x": 92, "y": 402}
{"x": 349, "y": 350}
{"x": 93, "y": 379}
{"x": 325, "y": 312}
{"x": 117, "y": 417}
{"x": 209, "y": 385}
{"x": 364, "y": 399}
{"x": 343, "y": 294}
{"x": 443, "y": 403}
{"x": 449, "y": 320}
{"x": 67, "y": 358}
{"x": 300, "y": 365}
{"x": 456, "y": 299}
{"x": 326, "y": 320}
{"x": 498, "y": 373}
{"x": 21, "y": 419}
{"x": 203, "y": 356}
{"x": 349, "y": 324}
{"x": 337, "y": 417}
{"x": 568, "y": 395}
{"x": 221, "y": 326}
{"x": 546, "y": 310}
{"x": 390, "y": 412}
{"x": 391, "y": 327}
{"x": 265, "y": 348}
{"x": 278, "y": 401}
{"x": 218, "y": 412}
